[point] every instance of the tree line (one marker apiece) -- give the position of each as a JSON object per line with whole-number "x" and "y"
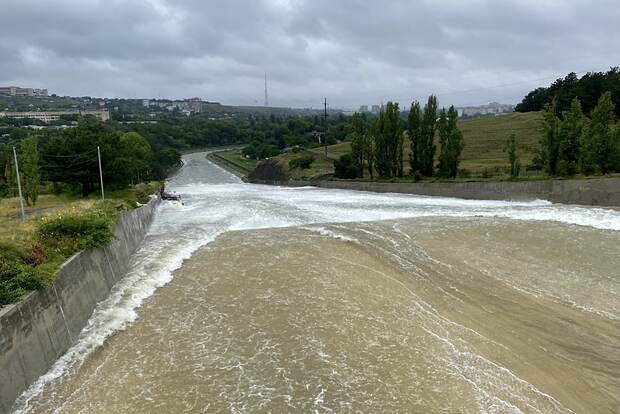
{"x": 135, "y": 152}
{"x": 574, "y": 142}
{"x": 587, "y": 89}
{"x": 378, "y": 144}
{"x": 67, "y": 160}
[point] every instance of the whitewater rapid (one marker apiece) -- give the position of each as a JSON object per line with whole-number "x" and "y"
{"x": 216, "y": 202}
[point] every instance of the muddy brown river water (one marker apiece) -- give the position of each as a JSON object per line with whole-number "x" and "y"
{"x": 325, "y": 301}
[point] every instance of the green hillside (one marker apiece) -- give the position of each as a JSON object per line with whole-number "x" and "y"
{"x": 485, "y": 140}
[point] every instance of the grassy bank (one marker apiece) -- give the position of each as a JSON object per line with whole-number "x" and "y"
{"x": 32, "y": 250}
{"x": 233, "y": 159}
{"x": 484, "y": 155}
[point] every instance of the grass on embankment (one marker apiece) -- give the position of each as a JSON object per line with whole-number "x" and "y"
{"x": 31, "y": 251}
{"x": 234, "y": 159}
{"x": 485, "y": 141}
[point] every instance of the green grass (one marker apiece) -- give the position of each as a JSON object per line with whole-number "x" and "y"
{"x": 236, "y": 160}
{"x": 318, "y": 168}
{"x": 485, "y": 140}
{"x": 40, "y": 249}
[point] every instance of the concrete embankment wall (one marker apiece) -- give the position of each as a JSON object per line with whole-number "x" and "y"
{"x": 235, "y": 169}
{"x": 35, "y": 332}
{"x": 596, "y": 192}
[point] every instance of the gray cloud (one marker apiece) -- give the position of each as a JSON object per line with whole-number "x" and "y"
{"x": 352, "y": 51}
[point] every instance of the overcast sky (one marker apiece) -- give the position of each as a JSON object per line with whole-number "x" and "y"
{"x": 352, "y": 51}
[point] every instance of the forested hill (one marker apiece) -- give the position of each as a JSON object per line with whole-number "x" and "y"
{"x": 588, "y": 89}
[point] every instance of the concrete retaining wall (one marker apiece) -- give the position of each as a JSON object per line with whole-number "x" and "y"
{"x": 596, "y": 192}
{"x": 35, "y": 332}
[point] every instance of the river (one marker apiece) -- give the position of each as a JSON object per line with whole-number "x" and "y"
{"x": 254, "y": 298}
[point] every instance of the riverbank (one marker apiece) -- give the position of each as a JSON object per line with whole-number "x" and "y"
{"x": 235, "y": 168}
{"x": 44, "y": 324}
{"x": 603, "y": 192}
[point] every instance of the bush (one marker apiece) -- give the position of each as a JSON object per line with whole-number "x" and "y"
{"x": 75, "y": 230}
{"x": 303, "y": 162}
{"x": 268, "y": 170}
{"x": 17, "y": 277}
{"x": 345, "y": 167}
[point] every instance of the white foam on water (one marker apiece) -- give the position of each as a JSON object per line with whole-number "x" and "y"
{"x": 216, "y": 201}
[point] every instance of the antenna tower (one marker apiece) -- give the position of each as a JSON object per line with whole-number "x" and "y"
{"x": 266, "y": 96}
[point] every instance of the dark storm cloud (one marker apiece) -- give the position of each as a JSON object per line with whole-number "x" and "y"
{"x": 353, "y": 51}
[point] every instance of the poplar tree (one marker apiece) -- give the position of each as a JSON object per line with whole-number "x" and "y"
{"x": 369, "y": 147}
{"x": 451, "y": 140}
{"x": 357, "y": 142}
{"x": 513, "y": 158}
{"x": 549, "y": 145}
{"x": 427, "y": 150}
{"x": 414, "y": 132}
{"x": 30, "y": 168}
{"x": 444, "y": 132}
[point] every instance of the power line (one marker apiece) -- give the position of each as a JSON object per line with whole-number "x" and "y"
{"x": 68, "y": 156}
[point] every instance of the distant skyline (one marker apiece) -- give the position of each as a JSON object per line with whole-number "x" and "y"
{"x": 354, "y": 52}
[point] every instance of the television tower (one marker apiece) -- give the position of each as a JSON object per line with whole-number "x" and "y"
{"x": 266, "y": 96}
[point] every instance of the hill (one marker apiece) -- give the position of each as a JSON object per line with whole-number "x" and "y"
{"x": 485, "y": 140}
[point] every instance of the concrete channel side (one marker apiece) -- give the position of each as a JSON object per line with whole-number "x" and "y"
{"x": 35, "y": 332}
{"x": 593, "y": 192}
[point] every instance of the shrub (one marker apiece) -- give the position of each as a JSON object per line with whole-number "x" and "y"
{"x": 75, "y": 230}
{"x": 345, "y": 167}
{"x": 303, "y": 162}
{"x": 268, "y": 170}
{"x": 18, "y": 278}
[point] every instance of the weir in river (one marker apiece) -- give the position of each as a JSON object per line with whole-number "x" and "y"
{"x": 252, "y": 298}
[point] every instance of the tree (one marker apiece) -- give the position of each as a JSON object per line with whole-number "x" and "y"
{"x": 414, "y": 132}
{"x": 451, "y": 140}
{"x": 600, "y": 146}
{"x": 11, "y": 178}
{"x": 513, "y": 158}
{"x": 444, "y": 132}
{"x": 30, "y": 168}
{"x": 345, "y": 167}
{"x": 389, "y": 142}
{"x": 370, "y": 146}
{"x": 427, "y": 148}
{"x": 358, "y": 137}
{"x": 549, "y": 146}
{"x": 136, "y": 153}
{"x": 570, "y": 134}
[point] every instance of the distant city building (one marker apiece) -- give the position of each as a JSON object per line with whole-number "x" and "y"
{"x": 102, "y": 115}
{"x": 363, "y": 109}
{"x": 492, "y": 108}
{"x": 376, "y": 109}
{"x": 18, "y": 91}
{"x": 193, "y": 105}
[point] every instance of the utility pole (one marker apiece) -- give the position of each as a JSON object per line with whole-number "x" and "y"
{"x": 100, "y": 172}
{"x": 19, "y": 185}
{"x": 325, "y": 129}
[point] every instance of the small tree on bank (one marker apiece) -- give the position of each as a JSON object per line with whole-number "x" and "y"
{"x": 513, "y": 158}
{"x": 30, "y": 167}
